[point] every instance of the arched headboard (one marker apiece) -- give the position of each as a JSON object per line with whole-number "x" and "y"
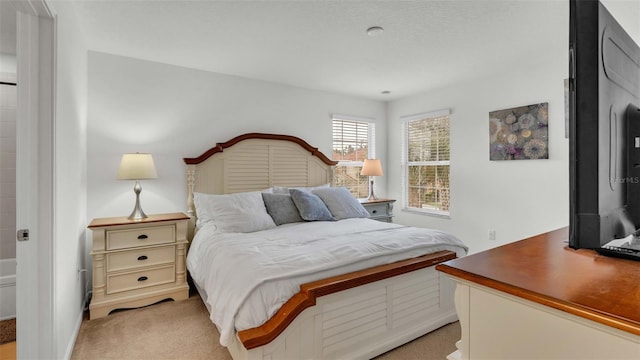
{"x": 256, "y": 161}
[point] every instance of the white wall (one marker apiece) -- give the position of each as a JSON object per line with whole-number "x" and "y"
{"x": 516, "y": 198}
{"x": 8, "y": 104}
{"x": 8, "y": 63}
{"x": 174, "y": 112}
{"x": 69, "y": 179}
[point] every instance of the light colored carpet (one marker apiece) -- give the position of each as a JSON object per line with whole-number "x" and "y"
{"x": 182, "y": 330}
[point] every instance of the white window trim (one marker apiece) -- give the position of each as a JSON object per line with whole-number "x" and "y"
{"x": 405, "y": 168}
{"x": 336, "y": 116}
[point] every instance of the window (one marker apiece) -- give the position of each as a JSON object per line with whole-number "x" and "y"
{"x": 353, "y": 141}
{"x": 427, "y": 162}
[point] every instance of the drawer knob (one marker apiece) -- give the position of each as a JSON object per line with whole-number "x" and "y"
{"x": 143, "y": 257}
{"x": 375, "y": 211}
{"x": 143, "y": 278}
{"x": 142, "y": 237}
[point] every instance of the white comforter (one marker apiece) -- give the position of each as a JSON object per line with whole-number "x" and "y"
{"x": 248, "y": 277}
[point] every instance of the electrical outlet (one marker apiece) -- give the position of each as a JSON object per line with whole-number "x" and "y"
{"x": 492, "y": 234}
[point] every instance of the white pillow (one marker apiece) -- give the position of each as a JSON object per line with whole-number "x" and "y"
{"x": 240, "y": 212}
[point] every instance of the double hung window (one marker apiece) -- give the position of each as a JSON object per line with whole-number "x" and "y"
{"x": 353, "y": 141}
{"x": 426, "y": 162}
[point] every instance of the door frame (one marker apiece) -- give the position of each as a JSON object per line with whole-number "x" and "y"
{"x": 35, "y": 272}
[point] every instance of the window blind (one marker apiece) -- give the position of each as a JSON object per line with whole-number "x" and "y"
{"x": 428, "y": 140}
{"x": 350, "y": 140}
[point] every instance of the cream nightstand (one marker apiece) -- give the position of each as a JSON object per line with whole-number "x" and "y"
{"x": 381, "y": 209}
{"x": 137, "y": 263}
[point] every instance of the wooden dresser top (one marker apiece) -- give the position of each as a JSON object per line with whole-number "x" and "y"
{"x": 545, "y": 270}
{"x": 123, "y": 220}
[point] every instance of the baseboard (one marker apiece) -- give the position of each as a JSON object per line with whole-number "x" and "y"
{"x": 72, "y": 340}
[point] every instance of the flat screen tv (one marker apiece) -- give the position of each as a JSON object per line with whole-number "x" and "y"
{"x": 604, "y": 128}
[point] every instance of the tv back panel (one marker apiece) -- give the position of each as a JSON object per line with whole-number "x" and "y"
{"x": 604, "y": 80}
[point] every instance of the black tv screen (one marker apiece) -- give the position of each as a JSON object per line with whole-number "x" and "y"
{"x": 604, "y": 127}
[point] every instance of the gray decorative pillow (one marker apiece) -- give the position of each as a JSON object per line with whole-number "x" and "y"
{"x": 281, "y": 208}
{"x": 341, "y": 203}
{"x": 310, "y": 206}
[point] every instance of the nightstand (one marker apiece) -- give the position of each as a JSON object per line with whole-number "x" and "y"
{"x": 138, "y": 263}
{"x": 380, "y": 209}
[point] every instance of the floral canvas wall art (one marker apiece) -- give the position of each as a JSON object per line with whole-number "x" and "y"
{"x": 519, "y": 133}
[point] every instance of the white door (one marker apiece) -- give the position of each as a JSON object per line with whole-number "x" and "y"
{"x": 34, "y": 188}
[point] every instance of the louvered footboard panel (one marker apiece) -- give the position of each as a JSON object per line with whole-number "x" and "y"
{"x": 369, "y": 314}
{"x": 415, "y": 299}
{"x": 354, "y": 319}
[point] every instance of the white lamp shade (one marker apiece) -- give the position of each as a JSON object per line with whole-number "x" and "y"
{"x": 371, "y": 167}
{"x": 137, "y": 167}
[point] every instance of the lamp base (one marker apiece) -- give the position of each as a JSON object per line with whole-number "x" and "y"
{"x": 137, "y": 213}
{"x": 372, "y": 196}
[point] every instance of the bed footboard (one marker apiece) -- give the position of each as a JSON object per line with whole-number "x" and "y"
{"x": 357, "y": 315}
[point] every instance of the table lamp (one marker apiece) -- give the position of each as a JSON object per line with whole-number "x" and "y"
{"x": 137, "y": 167}
{"x": 371, "y": 168}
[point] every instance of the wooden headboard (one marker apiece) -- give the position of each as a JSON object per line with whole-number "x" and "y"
{"x": 256, "y": 161}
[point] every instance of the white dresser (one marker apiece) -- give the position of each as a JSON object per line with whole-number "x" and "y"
{"x": 539, "y": 299}
{"x": 138, "y": 263}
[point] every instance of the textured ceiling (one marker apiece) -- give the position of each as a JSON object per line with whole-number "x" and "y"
{"x": 323, "y": 44}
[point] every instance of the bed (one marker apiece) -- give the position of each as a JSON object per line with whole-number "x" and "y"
{"x": 280, "y": 288}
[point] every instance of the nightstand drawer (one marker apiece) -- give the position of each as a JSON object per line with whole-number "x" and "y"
{"x": 377, "y": 210}
{"x": 124, "y": 239}
{"x": 140, "y": 279}
{"x": 140, "y": 257}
